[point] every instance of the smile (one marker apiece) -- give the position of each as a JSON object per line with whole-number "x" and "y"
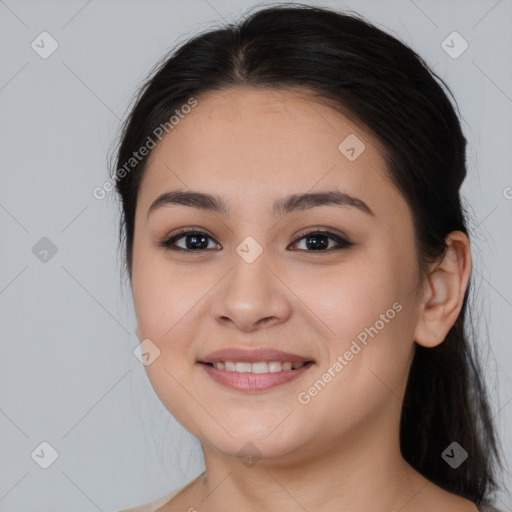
{"x": 257, "y": 376}
{"x": 259, "y": 367}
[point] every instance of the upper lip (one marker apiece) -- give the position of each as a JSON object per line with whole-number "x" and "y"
{"x": 252, "y": 356}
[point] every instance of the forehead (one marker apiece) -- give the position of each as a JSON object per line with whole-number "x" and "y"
{"x": 258, "y": 144}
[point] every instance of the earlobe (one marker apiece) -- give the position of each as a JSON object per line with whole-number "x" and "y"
{"x": 444, "y": 295}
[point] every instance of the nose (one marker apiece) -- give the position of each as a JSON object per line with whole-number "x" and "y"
{"x": 251, "y": 296}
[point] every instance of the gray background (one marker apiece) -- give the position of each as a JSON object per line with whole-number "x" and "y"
{"x": 68, "y": 375}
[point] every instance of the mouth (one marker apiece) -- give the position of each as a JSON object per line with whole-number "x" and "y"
{"x": 257, "y": 367}
{"x": 254, "y": 370}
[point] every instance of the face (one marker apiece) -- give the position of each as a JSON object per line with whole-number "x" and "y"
{"x": 327, "y": 278}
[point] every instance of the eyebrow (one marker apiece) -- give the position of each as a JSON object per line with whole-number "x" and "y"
{"x": 281, "y": 207}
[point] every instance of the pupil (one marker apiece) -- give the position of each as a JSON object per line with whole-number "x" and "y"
{"x": 197, "y": 241}
{"x": 317, "y": 245}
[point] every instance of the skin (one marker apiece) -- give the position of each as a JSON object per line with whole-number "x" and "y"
{"x": 341, "y": 450}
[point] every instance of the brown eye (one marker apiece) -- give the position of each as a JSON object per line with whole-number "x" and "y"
{"x": 318, "y": 240}
{"x": 198, "y": 241}
{"x": 194, "y": 241}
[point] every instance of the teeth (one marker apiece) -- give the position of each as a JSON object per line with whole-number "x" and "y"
{"x": 243, "y": 367}
{"x": 274, "y": 366}
{"x": 260, "y": 367}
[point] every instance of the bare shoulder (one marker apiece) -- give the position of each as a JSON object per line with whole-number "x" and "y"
{"x": 444, "y": 500}
{"x": 184, "y": 499}
{"x": 169, "y": 501}
{"x": 153, "y": 506}
{"x": 449, "y": 501}
{"x": 429, "y": 496}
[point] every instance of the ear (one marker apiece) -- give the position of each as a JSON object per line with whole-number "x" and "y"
{"x": 444, "y": 293}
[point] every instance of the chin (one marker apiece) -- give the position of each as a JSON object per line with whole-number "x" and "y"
{"x": 264, "y": 441}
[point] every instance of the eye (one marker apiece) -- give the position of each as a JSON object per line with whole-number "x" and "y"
{"x": 319, "y": 240}
{"x": 197, "y": 241}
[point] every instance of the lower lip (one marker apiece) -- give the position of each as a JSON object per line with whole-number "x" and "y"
{"x": 248, "y": 381}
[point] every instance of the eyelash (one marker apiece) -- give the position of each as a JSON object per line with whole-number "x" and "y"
{"x": 168, "y": 243}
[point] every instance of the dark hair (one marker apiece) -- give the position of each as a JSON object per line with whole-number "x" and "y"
{"x": 386, "y": 88}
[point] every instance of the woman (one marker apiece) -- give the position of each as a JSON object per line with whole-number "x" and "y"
{"x": 300, "y": 267}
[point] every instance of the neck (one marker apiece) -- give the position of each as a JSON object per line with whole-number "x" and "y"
{"x": 362, "y": 471}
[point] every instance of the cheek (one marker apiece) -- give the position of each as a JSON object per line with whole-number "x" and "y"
{"x": 366, "y": 312}
{"x": 170, "y": 304}
{"x": 166, "y": 305}
{"x": 349, "y": 296}
{"x": 160, "y": 294}
{"x": 368, "y": 362}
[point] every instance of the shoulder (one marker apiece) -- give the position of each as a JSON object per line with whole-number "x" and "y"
{"x": 160, "y": 502}
{"x": 154, "y": 505}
